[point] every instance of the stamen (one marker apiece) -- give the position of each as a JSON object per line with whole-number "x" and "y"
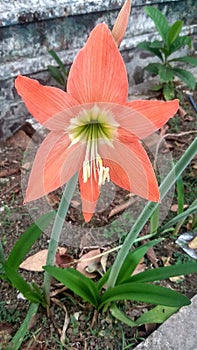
{"x": 86, "y": 171}
{"x": 94, "y": 127}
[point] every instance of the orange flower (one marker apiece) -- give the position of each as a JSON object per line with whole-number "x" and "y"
{"x": 93, "y": 129}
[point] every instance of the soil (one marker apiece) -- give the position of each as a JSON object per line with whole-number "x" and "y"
{"x": 86, "y": 329}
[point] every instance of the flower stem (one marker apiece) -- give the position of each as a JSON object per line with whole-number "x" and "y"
{"x": 148, "y": 210}
{"x": 57, "y": 229}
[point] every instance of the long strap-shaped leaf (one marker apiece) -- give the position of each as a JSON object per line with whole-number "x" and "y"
{"x": 144, "y": 292}
{"x": 165, "y": 186}
{"x": 162, "y": 273}
{"x": 78, "y": 283}
{"x": 27, "y": 239}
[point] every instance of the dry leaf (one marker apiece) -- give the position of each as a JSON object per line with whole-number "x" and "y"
{"x": 26, "y": 167}
{"x": 182, "y": 112}
{"x": 75, "y": 203}
{"x": 104, "y": 262}
{"x": 62, "y": 258}
{"x": 193, "y": 243}
{"x": 9, "y": 171}
{"x": 152, "y": 257}
{"x": 84, "y": 263}
{"x": 119, "y": 208}
{"x": 35, "y": 262}
{"x": 174, "y": 207}
{"x": 52, "y": 200}
{"x": 141, "y": 267}
{"x": 166, "y": 262}
{"x": 150, "y": 327}
{"x": 19, "y": 139}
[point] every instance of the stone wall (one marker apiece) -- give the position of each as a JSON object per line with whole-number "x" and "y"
{"x": 28, "y": 29}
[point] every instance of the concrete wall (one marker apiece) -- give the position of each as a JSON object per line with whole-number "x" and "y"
{"x": 28, "y": 29}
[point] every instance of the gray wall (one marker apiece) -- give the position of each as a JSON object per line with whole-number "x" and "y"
{"x": 28, "y": 29}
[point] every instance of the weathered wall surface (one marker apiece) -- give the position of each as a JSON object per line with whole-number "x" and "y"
{"x": 29, "y": 29}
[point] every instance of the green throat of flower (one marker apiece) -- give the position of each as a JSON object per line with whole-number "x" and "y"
{"x": 93, "y": 127}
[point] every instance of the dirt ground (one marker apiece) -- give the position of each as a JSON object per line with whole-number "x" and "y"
{"x": 86, "y": 330}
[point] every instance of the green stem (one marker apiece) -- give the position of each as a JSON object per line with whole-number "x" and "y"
{"x": 148, "y": 210}
{"x": 57, "y": 229}
{"x": 22, "y": 331}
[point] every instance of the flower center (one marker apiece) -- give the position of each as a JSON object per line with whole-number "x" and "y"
{"x": 94, "y": 126}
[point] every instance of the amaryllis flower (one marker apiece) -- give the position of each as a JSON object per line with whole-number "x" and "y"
{"x": 94, "y": 130}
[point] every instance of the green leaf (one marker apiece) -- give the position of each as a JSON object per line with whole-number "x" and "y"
{"x": 27, "y": 239}
{"x": 192, "y": 209}
{"x": 174, "y": 31}
{"x": 180, "y": 194}
{"x": 129, "y": 264}
{"x": 160, "y": 22}
{"x": 180, "y": 42}
{"x": 186, "y": 77}
{"x": 19, "y": 283}
{"x": 24, "y": 328}
{"x": 119, "y": 315}
{"x": 145, "y": 45}
{"x": 133, "y": 259}
{"x": 153, "y": 68}
{"x": 154, "y": 220}
{"x": 166, "y": 73}
{"x": 186, "y": 59}
{"x": 56, "y": 74}
{"x": 168, "y": 92}
{"x": 59, "y": 62}
{"x": 162, "y": 273}
{"x": 103, "y": 280}
{"x": 144, "y": 216}
{"x": 157, "y": 87}
{"x": 158, "y": 314}
{"x": 156, "y": 44}
{"x": 75, "y": 281}
{"x": 143, "y": 292}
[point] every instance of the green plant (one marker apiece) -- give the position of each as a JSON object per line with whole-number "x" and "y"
{"x": 9, "y": 266}
{"x": 136, "y": 288}
{"x": 60, "y": 73}
{"x": 171, "y": 43}
{"x": 9, "y": 315}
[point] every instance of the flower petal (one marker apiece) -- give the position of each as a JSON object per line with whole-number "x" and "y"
{"x": 55, "y": 163}
{"x": 42, "y": 101}
{"x": 121, "y": 22}
{"x": 151, "y": 115}
{"x": 98, "y": 73}
{"x": 131, "y": 169}
{"x": 89, "y": 196}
